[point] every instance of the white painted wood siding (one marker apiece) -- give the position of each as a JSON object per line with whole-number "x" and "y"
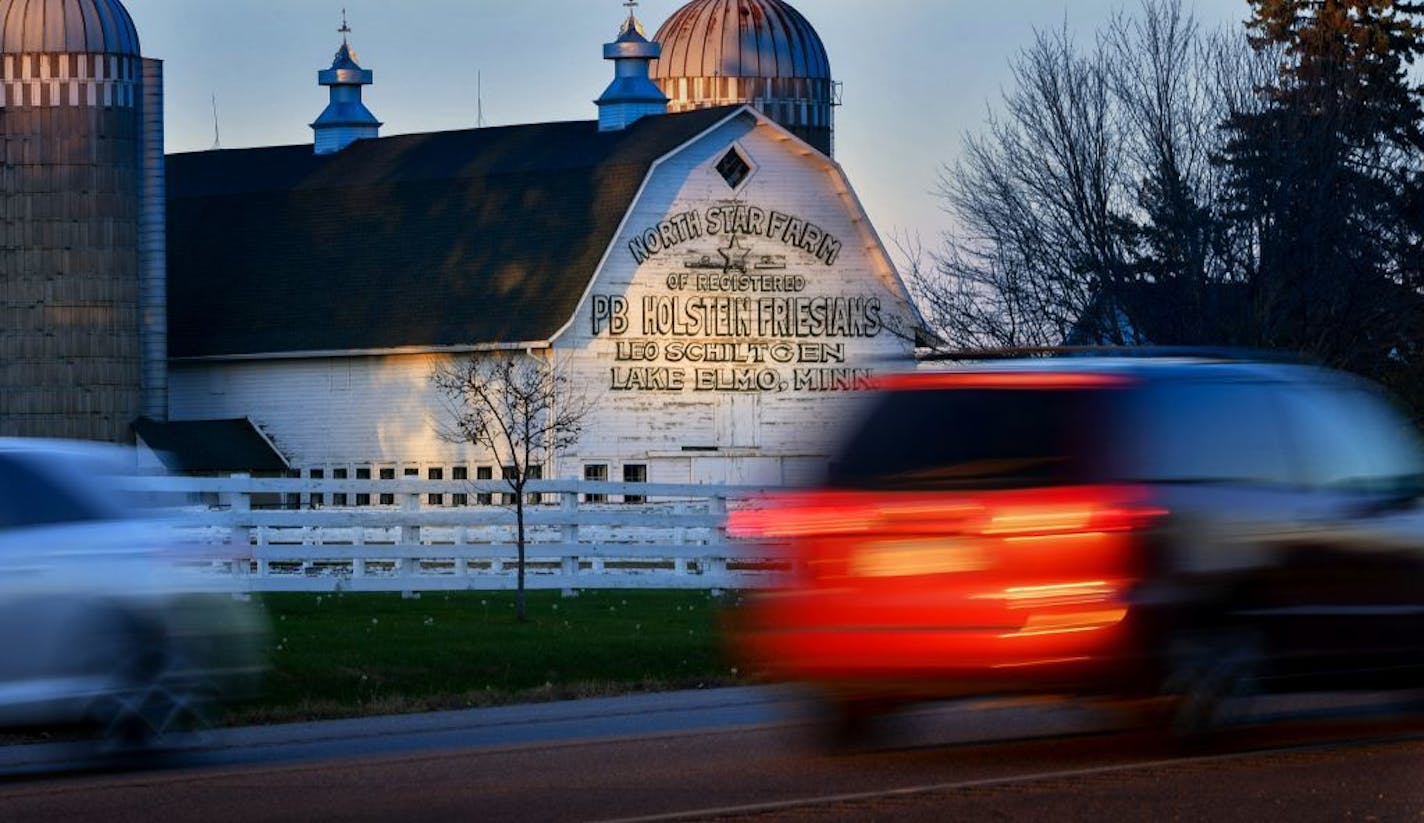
{"x": 381, "y": 411}
{"x": 762, "y": 437}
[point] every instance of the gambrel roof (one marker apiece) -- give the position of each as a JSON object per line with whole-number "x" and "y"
{"x": 423, "y": 241}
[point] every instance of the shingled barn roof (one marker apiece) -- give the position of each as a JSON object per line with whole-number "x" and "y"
{"x": 211, "y": 446}
{"x": 447, "y": 239}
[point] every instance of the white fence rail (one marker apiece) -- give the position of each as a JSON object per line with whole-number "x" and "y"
{"x": 432, "y": 535}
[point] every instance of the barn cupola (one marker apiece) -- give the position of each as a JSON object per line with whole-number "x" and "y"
{"x": 760, "y": 52}
{"x": 346, "y": 118}
{"x": 632, "y": 94}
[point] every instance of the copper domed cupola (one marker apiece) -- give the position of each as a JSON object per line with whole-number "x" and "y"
{"x": 75, "y": 27}
{"x": 762, "y": 52}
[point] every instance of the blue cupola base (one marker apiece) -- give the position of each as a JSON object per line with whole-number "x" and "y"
{"x": 632, "y": 94}
{"x": 346, "y": 119}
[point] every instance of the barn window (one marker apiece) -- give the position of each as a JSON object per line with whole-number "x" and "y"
{"x": 435, "y": 499}
{"x": 293, "y": 501}
{"x": 338, "y": 498}
{"x": 460, "y": 473}
{"x": 595, "y": 473}
{"x": 733, "y": 167}
{"x": 363, "y": 498}
{"x": 635, "y": 473}
{"x": 484, "y": 473}
{"x": 317, "y": 499}
{"x": 506, "y": 473}
{"x": 388, "y": 499}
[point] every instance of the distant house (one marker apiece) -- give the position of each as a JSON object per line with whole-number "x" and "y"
{"x": 1383, "y": 322}
{"x": 1169, "y": 313}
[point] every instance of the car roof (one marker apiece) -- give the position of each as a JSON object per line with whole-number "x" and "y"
{"x": 1141, "y": 368}
{"x": 72, "y": 455}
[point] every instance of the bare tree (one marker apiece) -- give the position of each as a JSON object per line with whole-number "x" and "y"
{"x": 522, "y": 409}
{"x": 1035, "y": 202}
{"x": 1260, "y": 187}
{"x": 1093, "y": 178}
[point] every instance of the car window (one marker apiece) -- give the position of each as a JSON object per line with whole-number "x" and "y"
{"x": 31, "y": 496}
{"x": 980, "y": 438}
{"x": 1201, "y": 431}
{"x": 1351, "y": 438}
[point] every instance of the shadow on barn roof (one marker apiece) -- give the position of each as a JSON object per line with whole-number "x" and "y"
{"x": 445, "y": 239}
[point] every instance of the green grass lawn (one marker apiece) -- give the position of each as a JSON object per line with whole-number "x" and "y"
{"x": 344, "y": 655}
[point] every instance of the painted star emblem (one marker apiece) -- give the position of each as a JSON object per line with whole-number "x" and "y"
{"x": 735, "y": 256}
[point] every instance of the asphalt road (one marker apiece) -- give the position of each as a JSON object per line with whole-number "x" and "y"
{"x": 743, "y": 754}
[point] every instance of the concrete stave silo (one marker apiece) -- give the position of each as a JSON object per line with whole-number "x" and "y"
{"x": 81, "y": 285}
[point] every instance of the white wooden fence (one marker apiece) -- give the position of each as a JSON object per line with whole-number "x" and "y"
{"x": 287, "y": 534}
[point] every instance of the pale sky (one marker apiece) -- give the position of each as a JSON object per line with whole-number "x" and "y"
{"x": 917, "y": 74}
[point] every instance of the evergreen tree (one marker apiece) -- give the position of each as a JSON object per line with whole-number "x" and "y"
{"x": 1171, "y": 187}
{"x": 1324, "y": 181}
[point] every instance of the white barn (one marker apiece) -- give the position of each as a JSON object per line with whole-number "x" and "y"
{"x": 707, "y": 277}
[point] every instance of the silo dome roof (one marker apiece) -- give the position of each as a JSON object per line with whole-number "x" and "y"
{"x": 740, "y": 38}
{"x": 67, "y": 27}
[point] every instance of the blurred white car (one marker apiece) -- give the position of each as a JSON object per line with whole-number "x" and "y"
{"x": 101, "y": 624}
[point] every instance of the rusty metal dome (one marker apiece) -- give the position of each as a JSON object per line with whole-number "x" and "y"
{"x": 67, "y": 27}
{"x": 740, "y": 38}
{"x": 761, "y": 52}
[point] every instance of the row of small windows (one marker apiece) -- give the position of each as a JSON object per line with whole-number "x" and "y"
{"x": 815, "y": 91}
{"x": 598, "y": 472}
{"x": 791, "y": 113}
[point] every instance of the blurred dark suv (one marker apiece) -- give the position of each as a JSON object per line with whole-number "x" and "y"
{"x": 1186, "y": 527}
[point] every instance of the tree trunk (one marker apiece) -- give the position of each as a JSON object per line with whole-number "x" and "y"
{"x": 519, "y": 613}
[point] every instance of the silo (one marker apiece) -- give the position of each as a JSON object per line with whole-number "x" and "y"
{"x": 75, "y": 189}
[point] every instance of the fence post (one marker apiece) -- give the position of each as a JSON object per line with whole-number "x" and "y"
{"x": 358, "y": 539}
{"x": 569, "y": 505}
{"x": 679, "y": 563}
{"x": 410, "y": 537}
{"x": 717, "y": 537}
{"x": 264, "y": 539}
{"x": 462, "y": 547}
{"x": 241, "y": 539}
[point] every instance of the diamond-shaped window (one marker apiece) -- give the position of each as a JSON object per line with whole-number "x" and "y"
{"x": 733, "y": 168}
